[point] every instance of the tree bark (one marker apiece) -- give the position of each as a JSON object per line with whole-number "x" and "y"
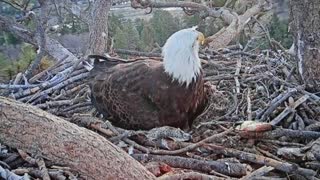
{"x": 40, "y": 36}
{"x": 98, "y": 27}
{"x": 38, "y": 132}
{"x": 305, "y": 26}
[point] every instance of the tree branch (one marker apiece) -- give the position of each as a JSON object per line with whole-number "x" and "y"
{"x": 9, "y": 25}
{"x": 154, "y": 4}
{"x": 223, "y": 37}
{"x": 40, "y": 37}
{"x": 52, "y": 46}
{"x": 37, "y": 132}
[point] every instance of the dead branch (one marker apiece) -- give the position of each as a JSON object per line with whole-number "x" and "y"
{"x": 223, "y": 37}
{"x": 289, "y": 109}
{"x": 282, "y": 166}
{"x": 54, "y": 104}
{"x": 192, "y": 146}
{"x": 53, "y": 173}
{"x": 154, "y": 4}
{"x": 189, "y": 175}
{"x": 282, "y": 143}
{"x": 27, "y": 158}
{"x": 313, "y": 127}
{"x": 52, "y": 89}
{"x": 16, "y": 86}
{"x": 230, "y": 169}
{"x": 42, "y": 73}
{"x": 281, "y": 132}
{"x": 236, "y": 76}
{"x": 87, "y": 122}
{"x": 6, "y": 174}
{"x": 259, "y": 172}
{"x": 276, "y": 102}
{"x": 43, "y": 169}
{"x": 136, "y": 53}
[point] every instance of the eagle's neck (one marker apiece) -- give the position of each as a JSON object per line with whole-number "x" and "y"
{"x": 182, "y": 65}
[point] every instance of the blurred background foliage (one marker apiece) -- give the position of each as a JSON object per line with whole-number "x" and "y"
{"x": 142, "y": 34}
{"x": 9, "y": 68}
{"x": 279, "y": 31}
{"x": 147, "y": 34}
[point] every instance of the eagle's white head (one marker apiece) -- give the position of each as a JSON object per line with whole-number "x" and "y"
{"x": 180, "y": 55}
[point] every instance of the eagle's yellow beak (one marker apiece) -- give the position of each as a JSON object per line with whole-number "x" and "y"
{"x": 201, "y": 39}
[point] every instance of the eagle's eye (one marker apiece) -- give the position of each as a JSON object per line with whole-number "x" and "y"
{"x": 201, "y": 39}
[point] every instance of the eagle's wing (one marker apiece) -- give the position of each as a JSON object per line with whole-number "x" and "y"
{"x": 123, "y": 92}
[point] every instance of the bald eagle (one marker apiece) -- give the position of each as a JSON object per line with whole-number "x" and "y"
{"x": 147, "y": 93}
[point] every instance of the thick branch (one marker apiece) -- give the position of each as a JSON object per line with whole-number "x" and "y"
{"x": 226, "y": 35}
{"x": 9, "y": 25}
{"x": 154, "y": 4}
{"x": 228, "y": 168}
{"x": 304, "y": 24}
{"x": 52, "y": 47}
{"x": 98, "y": 27}
{"x": 190, "y": 5}
{"x": 38, "y": 132}
{"x": 40, "y": 37}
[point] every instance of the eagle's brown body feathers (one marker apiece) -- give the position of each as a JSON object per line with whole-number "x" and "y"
{"x": 140, "y": 95}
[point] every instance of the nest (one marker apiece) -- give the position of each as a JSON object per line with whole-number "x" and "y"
{"x": 262, "y": 88}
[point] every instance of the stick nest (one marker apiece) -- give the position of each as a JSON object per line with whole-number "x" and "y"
{"x": 261, "y": 121}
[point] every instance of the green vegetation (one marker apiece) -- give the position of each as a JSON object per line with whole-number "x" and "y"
{"x": 190, "y": 21}
{"x": 8, "y": 38}
{"x": 147, "y": 37}
{"x": 164, "y": 24}
{"x": 9, "y": 68}
{"x": 127, "y": 37}
{"x": 3, "y": 61}
{"x": 114, "y": 24}
{"x": 279, "y": 31}
{"x": 73, "y": 25}
{"x": 143, "y": 35}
